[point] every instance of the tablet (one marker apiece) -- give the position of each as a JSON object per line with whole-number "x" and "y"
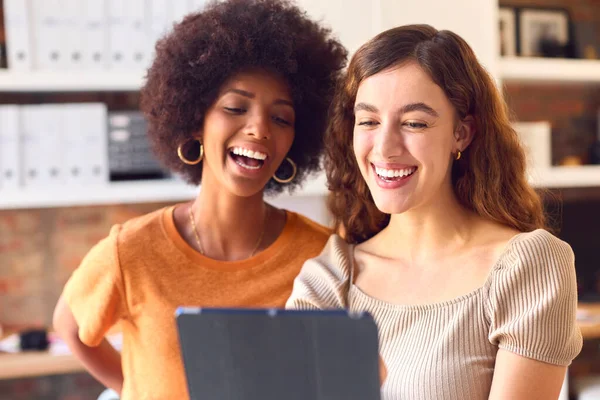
{"x": 272, "y": 354}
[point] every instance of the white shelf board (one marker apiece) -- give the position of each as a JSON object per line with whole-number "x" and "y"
{"x": 121, "y": 193}
{"x": 70, "y": 81}
{"x": 175, "y": 191}
{"x": 567, "y": 177}
{"x": 549, "y": 69}
{"x": 111, "y": 193}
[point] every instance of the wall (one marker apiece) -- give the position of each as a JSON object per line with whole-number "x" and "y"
{"x": 571, "y": 108}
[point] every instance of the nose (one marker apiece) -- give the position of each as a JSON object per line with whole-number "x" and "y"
{"x": 258, "y": 126}
{"x": 389, "y": 143}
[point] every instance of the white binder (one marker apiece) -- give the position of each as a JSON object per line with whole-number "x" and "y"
{"x": 128, "y": 34}
{"x": 159, "y": 20}
{"x": 72, "y": 31}
{"x": 84, "y": 142}
{"x": 94, "y": 26}
{"x": 41, "y": 141}
{"x": 197, "y": 5}
{"x": 93, "y": 130}
{"x": 32, "y": 150}
{"x": 74, "y": 145}
{"x": 19, "y": 47}
{"x": 50, "y": 35}
{"x": 139, "y": 34}
{"x": 52, "y": 153}
{"x": 179, "y": 9}
{"x": 10, "y": 149}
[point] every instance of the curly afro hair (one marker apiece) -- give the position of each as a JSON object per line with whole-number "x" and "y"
{"x": 207, "y": 48}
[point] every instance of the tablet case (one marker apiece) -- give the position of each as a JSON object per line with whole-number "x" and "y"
{"x": 241, "y": 354}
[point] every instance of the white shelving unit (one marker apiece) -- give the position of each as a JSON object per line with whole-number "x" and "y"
{"x": 524, "y": 69}
{"x": 70, "y": 81}
{"x": 122, "y": 193}
{"x": 567, "y": 177}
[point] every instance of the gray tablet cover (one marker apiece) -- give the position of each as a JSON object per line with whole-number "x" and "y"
{"x": 240, "y": 354}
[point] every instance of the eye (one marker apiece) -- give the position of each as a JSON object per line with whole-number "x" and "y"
{"x": 415, "y": 125}
{"x": 368, "y": 123}
{"x": 234, "y": 110}
{"x": 281, "y": 121}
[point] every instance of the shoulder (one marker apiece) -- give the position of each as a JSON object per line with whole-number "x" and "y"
{"x": 324, "y": 280}
{"x": 536, "y": 267}
{"x": 537, "y": 250}
{"x": 335, "y": 260}
{"x": 143, "y": 226}
{"x": 130, "y": 237}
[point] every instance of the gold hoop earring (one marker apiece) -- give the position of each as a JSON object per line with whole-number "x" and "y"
{"x": 291, "y": 178}
{"x": 458, "y": 155}
{"x": 185, "y": 160}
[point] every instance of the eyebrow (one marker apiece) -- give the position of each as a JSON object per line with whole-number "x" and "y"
{"x": 252, "y": 95}
{"x": 365, "y": 107}
{"x": 403, "y": 110}
{"x": 418, "y": 107}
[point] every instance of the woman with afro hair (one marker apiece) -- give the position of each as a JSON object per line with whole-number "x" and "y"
{"x": 236, "y": 100}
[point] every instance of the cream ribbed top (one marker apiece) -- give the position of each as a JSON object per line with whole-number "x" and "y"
{"x": 447, "y": 350}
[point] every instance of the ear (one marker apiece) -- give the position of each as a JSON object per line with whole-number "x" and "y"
{"x": 464, "y": 133}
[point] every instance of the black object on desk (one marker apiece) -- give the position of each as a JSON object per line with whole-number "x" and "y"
{"x": 35, "y": 339}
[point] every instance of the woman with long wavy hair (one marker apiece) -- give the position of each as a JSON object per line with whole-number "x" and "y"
{"x": 441, "y": 237}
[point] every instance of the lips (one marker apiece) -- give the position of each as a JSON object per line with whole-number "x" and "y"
{"x": 248, "y": 158}
{"x": 393, "y": 176}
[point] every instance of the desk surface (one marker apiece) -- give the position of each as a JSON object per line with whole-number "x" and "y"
{"x": 590, "y": 329}
{"x": 22, "y": 365}
{"x": 29, "y": 364}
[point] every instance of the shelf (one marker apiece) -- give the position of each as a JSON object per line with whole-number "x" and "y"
{"x": 70, "y": 81}
{"x": 511, "y": 69}
{"x": 174, "y": 191}
{"x": 588, "y": 319}
{"x": 567, "y": 177}
{"x": 121, "y": 193}
{"x": 113, "y": 193}
{"x": 549, "y": 70}
{"x": 23, "y": 365}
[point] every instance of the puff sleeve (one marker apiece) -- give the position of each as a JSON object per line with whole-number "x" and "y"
{"x": 323, "y": 281}
{"x": 532, "y": 300}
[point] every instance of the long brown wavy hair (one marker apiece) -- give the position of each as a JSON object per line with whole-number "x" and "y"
{"x": 490, "y": 176}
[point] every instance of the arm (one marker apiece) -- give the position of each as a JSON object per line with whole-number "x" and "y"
{"x": 382, "y": 371}
{"x": 533, "y": 305}
{"x": 520, "y": 378}
{"x": 103, "y": 362}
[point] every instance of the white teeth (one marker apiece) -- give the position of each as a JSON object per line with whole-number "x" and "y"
{"x": 394, "y": 173}
{"x": 257, "y": 155}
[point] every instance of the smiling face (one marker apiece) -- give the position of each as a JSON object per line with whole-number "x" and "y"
{"x": 404, "y": 138}
{"x": 247, "y": 132}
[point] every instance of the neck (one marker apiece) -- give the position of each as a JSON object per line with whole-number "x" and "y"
{"x": 432, "y": 229}
{"x": 228, "y": 226}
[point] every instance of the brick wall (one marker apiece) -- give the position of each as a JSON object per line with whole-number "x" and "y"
{"x": 572, "y": 110}
{"x": 38, "y": 251}
{"x": 40, "y": 248}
